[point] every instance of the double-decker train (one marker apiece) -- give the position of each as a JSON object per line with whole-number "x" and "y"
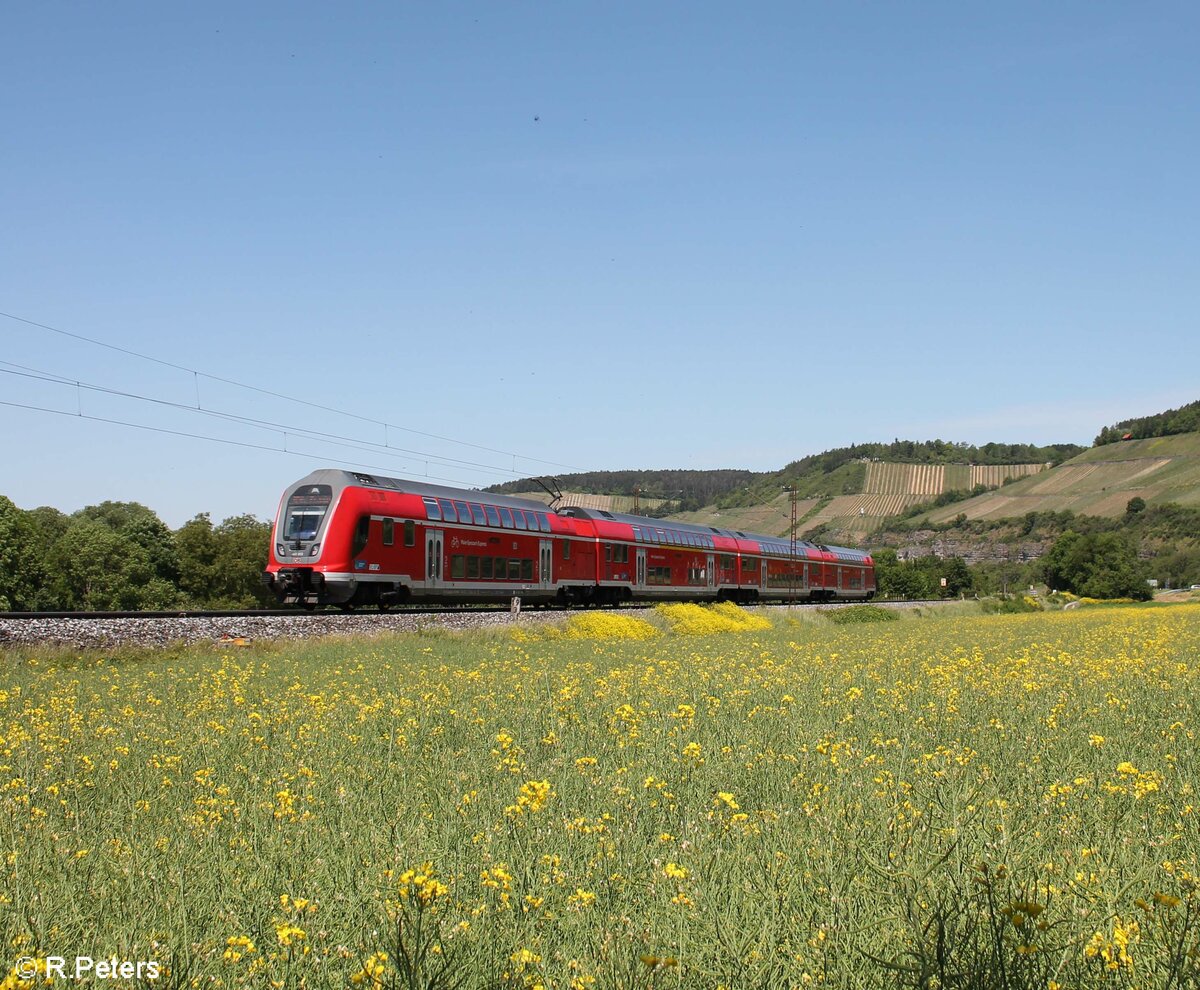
{"x": 351, "y": 539}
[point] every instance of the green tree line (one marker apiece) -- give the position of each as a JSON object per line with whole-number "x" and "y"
{"x": 1185, "y": 419}
{"x": 1092, "y": 556}
{"x": 1092, "y": 565}
{"x": 119, "y": 556}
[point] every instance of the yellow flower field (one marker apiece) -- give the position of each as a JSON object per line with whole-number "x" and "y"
{"x": 963, "y": 801}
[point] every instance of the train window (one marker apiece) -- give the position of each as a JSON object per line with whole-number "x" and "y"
{"x": 608, "y": 553}
{"x": 361, "y": 534}
{"x": 493, "y": 517}
{"x": 410, "y": 533}
{"x": 527, "y": 569}
{"x": 478, "y": 515}
{"x": 518, "y": 518}
{"x": 514, "y": 569}
{"x": 432, "y": 509}
{"x": 566, "y": 549}
{"x": 464, "y": 514}
{"x": 543, "y": 522}
{"x": 458, "y": 566}
{"x": 506, "y": 519}
{"x": 389, "y": 532}
{"x": 485, "y": 567}
{"x": 472, "y": 567}
{"x": 749, "y": 564}
{"x": 448, "y": 513}
{"x": 501, "y": 568}
{"x": 637, "y": 533}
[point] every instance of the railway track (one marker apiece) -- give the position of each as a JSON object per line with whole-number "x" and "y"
{"x": 401, "y": 611}
{"x": 104, "y": 630}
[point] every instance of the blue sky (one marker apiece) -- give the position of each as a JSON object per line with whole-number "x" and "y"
{"x": 581, "y": 236}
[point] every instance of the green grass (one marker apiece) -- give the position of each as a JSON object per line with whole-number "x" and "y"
{"x": 855, "y": 806}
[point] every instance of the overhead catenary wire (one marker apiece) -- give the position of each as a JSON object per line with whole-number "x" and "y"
{"x": 197, "y": 374}
{"x": 221, "y": 440}
{"x": 37, "y": 374}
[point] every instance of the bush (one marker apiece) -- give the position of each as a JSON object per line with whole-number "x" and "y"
{"x": 853, "y": 614}
{"x": 1011, "y": 604}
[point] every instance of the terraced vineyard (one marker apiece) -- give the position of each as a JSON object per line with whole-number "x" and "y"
{"x": 1100, "y": 482}
{"x": 889, "y": 490}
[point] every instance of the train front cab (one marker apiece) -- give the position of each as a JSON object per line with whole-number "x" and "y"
{"x": 301, "y": 527}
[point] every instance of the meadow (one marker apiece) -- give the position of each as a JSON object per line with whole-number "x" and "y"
{"x": 707, "y": 798}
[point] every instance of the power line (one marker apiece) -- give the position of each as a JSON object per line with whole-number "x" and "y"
{"x": 197, "y": 374}
{"x": 221, "y": 440}
{"x": 38, "y": 374}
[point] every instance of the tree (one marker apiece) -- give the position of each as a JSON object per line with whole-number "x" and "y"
{"x": 221, "y": 566}
{"x": 1096, "y": 565}
{"x": 242, "y": 546}
{"x": 143, "y": 527}
{"x": 959, "y": 580}
{"x": 97, "y": 568}
{"x": 196, "y": 550}
{"x": 20, "y": 570}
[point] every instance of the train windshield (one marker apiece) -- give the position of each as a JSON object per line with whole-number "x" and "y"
{"x": 305, "y": 511}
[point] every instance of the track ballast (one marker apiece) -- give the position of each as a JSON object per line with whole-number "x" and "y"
{"x": 103, "y": 630}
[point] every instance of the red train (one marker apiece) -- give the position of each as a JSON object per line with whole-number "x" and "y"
{"x": 351, "y": 539}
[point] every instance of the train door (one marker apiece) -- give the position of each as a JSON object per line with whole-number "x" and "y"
{"x": 434, "y": 546}
{"x": 641, "y": 568}
{"x": 711, "y": 571}
{"x": 545, "y": 563}
{"x": 763, "y": 566}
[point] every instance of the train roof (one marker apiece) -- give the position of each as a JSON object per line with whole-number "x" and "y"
{"x": 773, "y": 544}
{"x": 337, "y": 476}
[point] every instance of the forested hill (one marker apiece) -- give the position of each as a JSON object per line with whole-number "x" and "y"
{"x": 831, "y": 472}
{"x": 1185, "y": 419}
{"x": 692, "y": 488}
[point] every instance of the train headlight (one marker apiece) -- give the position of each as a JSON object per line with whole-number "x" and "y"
{"x": 280, "y": 550}
{"x": 316, "y": 548}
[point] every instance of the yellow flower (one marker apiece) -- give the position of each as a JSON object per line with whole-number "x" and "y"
{"x": 288, "y": 934}
{"x": 373, "y": 971}
{"x": 582, "y": 898}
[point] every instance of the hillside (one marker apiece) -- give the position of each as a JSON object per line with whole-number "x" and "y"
{"x": 880, "y": 491}
{"x": 1098, "y": 482}
{"x": 911, "y": 495}
{"x": 855, "y": 488}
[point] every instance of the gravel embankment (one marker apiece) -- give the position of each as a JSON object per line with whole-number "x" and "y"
{"x": 110, "y": 632}
{"x": 93, "y": 633}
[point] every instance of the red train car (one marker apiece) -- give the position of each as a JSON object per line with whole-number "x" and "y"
{"x": 352, "y": 539}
